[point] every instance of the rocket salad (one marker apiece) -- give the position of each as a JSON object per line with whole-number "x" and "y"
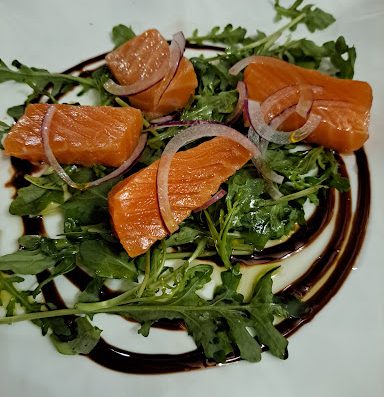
{"x": 166, "y": 281}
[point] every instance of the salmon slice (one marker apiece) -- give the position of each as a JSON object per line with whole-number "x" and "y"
{"x": 344, "y": 105}
{"x": 195, "y": 175}
{"x": 137, "y": 59}
{"x": 85, "y": 135}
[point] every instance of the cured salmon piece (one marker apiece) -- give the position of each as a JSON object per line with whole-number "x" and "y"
{"x": 85, "y": 135}
{"x": 195, "y": 175}
{"x": 137, "y": 59}
{"x": 344, "y": 105}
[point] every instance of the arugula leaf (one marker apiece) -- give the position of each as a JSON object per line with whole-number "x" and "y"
{"x": 213, "y": 77}
{"x": 342, "y": 57}
{"x": 122, "y": 33}
{"x": 211, "y": 107}
{"x": 228, "y": 35}
{"x": 4, "y": 129}
{"x": 63, "y": 266}
{"x": 81, "y": 341}
{"x": 100, "y": 77}
{"x": 90, "y": 206}
{"x": 307, "y": 168}
{"x": 92, "y": 291}
{"x": 262, "y": 322}
{"x": 42, "y": 82}
{"x": 26, "y": 262}
{"x": 15, "y": 295}
{"x": 17, "y": 111}
{"x": 220, "y": 326}
{"x": 185, "y": 235}
{"x": 39, "y": 79}
{"x": 35, "y": 198}
{"x": 103, "y": 260}
{"x": 315, "y": 18}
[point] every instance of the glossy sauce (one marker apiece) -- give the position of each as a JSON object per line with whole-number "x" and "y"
{"x": 125, "y": 361}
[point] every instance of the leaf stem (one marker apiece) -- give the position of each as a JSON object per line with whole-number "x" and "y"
{"x": 274, "y": 36}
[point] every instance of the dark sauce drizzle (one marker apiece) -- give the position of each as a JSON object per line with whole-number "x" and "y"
{"x": 138, "y": 363}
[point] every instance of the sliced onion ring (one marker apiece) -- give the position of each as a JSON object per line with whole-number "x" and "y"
{"x": 187, "y": 136}
{"x": 260, "y": 163}
{"x": 138, "y": 86}
{"x": 278, "y": 120}
{"x": 304, "y": 131}
{"x": 176, "y": 49}
{"x": 163, "y": 119}
{"x": 45, "y": 127}
{"x": 216, "y": 197}
{"x": 241, "y": 89}
{"x": 243, "y": 63}
{"x": 272, "y": 135}
{"x": 304, "y": 104}
{"x": 306, "y": 99}
{"x": 175, "y": 123}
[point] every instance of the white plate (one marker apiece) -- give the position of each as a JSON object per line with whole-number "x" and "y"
{"x": 340, "y": 352}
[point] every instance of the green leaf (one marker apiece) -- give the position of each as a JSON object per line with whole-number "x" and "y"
{"x": 342, "y": 57}
{"x": 16, "y": 111}
{"x": 229, "y": 35}
{"x": 23, "y": 298}
{"x": 86, "y": 338}
{"x": 90, "y": 206}
{"x": 49, "y": 181}
{"x": 39, "y": 78}
{"x": 92, "y": 291}
{"x": 122, "y": 33}
{"x": 211, "y": 107}
{"x": 4, "y": 129}
{"x": 262, "y": 312}
{"x": 250, "y": 349}
{"x": 26, "y": 262}
{"x": 66, "y": 265}
{"x": 315, "y": 18}
{"x": 98, "y": 257}
{"x": 221, "y": 325}
{"x": 33, "y": 200}
{"x": 185, "y": 235}
{"x": 42, "y": 82}
{"x": 100, "y": 77}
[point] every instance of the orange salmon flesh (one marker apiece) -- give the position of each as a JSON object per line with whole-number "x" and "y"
{"x": 344, "y": 105}
{"x": 195, "y": 175}
{"x": 85, "y": 135}
{"x": 141, "y": 56}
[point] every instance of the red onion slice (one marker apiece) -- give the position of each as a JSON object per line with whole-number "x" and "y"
{"x": 278, "y": 120}
{"x": 183, "y": 138}
{"x": 303, "y": 132}
{"x": 305, "y": 100}
{"x": 138, "y": 86}
{"x": 241, "y": 89}
{"x": 185, "y": 123}
{"x": 259, "y": 141}
{"x": 279, "y": 137}
{"x": 216, "y": 197}
{"x": 259, "y": 162}
{"x": 304, "y": 104}
{"x": 45, "y": 126}
{"x": 176, "y": 49}
{"x": 161, "y": 120}
{"x": 242, "y": 64}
